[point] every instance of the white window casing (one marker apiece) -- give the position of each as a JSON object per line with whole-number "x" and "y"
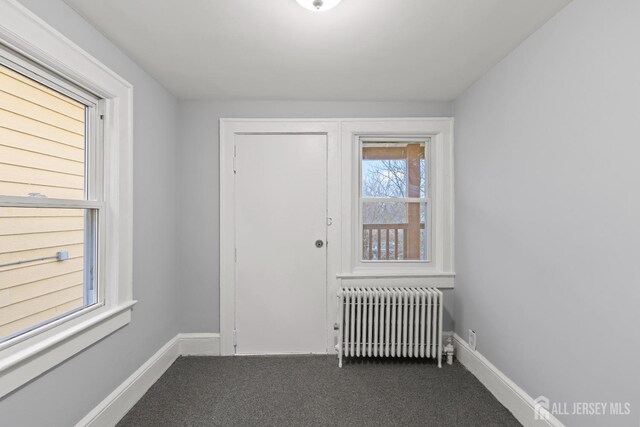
{"x": 28, "y": 355}
{"x": 438, "y": 269}
{"x": 343, "y": 267}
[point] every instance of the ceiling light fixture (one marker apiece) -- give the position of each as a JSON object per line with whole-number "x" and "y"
{"x": 318, "y": 5}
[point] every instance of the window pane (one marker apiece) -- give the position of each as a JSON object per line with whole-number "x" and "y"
{"x": 42, "y": 265}
{"x": 394, "y": 231}
{"x": 42, "y": 140}
{"x": 393, "y": 169}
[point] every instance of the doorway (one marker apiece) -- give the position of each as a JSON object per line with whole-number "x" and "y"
{"x": 280, "y": 243}
{"x": 280, "y": 193}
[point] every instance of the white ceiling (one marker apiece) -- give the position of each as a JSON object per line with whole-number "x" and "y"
{"x": 275, "y": 49}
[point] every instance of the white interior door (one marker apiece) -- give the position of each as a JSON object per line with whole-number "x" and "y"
{"x": 281, "y": 211}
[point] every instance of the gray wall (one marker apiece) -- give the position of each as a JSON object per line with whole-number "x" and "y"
{"x": 548, "y": 209}
{"x": 199, "y": 237}
{"x": 68, "y": 392}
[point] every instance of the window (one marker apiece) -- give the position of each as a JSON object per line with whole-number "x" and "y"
{"x": 48, "y": 251}
{"x": 397, "y": 192}
{"x": 393, "y": 200}
{"x": 65, "y": 198}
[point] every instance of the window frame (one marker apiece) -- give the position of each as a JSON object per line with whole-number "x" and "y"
{"x": 438, "y": 269}
{"x": 28, "y": 355}
{"x": 93, "y": 202}
{"x": 421, "y": 200}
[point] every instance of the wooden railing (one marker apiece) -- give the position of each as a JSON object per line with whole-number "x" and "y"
{"x": 385, "y": 241}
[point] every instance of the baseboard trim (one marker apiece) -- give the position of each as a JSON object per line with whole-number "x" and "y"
{"x": 515, "y": 399}
{"x": 115, "y": 406}
{"x": 199, "y": 344}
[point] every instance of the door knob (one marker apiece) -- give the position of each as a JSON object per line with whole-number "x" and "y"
{"x": 319, "y": 243}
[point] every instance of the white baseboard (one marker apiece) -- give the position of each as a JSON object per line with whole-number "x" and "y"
{"x": 121, "y": 400}
{"x": 115, "y": 406}
{"x": 516, "y": 400}
{"x": 199, "y": 344}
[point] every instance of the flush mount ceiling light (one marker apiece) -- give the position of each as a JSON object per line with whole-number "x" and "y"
{"x": 318, "y": 5}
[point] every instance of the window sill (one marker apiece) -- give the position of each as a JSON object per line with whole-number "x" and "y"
{"x": 21, "y": 367}
{"x": 439, "y": 280}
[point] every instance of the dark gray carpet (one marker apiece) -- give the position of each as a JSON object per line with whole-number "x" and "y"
{"x": 313, "y": 391}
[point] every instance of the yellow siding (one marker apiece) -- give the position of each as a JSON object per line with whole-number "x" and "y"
{"x": 75, "y": 251}
{"x": 12, "y": 173}
{"x": 28, "y": 109}
{"x": 41, "y": 151}
{"x": 49, "y": 313}
{"x": 25, "y": 88}
{"x": 11, "y": 120}
{"x": 20, "y": 189}
{"x": 13, "y": 243}
{"x": 22, "y": 309}
{"x": 29, "y": 274}
{"x": 33, "y": 290}
{"x": 46, "y": 162}
{"x": 23, "y": 141}
{"x": 28, "y": 225}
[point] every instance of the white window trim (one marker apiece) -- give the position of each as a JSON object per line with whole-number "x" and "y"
{"x": 343, "y": 190}
{"x": 37, "y": 351}
{"x": 439, "y": 270}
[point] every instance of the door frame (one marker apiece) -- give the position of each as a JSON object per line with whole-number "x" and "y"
{"x": 229, "y": 128}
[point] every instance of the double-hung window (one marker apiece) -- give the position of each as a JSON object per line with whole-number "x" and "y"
{"x": 52, "y": 201}
{"x": 65, "y": 198}
{"x": 398, "y": 201}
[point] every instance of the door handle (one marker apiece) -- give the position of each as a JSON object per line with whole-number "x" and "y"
{"x": 319, "y": 243}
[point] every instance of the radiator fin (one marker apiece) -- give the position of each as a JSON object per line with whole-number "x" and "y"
{"x": 390, "y": 322}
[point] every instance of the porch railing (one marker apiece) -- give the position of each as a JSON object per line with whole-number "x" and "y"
{"x": 385, "y": 241}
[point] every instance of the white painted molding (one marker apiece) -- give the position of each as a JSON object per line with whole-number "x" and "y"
{"x": 21, "y": 367}
{"x": 115, "y": 406}
{"x": 397, "y": 280}
{"x": 515, "y": 399}
{"x": 23, "y": 34}
{"x": 199, "y": 344}
{"x": 122, "y": 399}
{"x": 439, "y": 133}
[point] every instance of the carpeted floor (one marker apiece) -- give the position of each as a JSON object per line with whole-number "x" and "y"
{"x": 313, "y": 391}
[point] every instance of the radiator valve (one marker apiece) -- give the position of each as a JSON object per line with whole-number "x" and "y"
{"x": 448, "y": 350}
